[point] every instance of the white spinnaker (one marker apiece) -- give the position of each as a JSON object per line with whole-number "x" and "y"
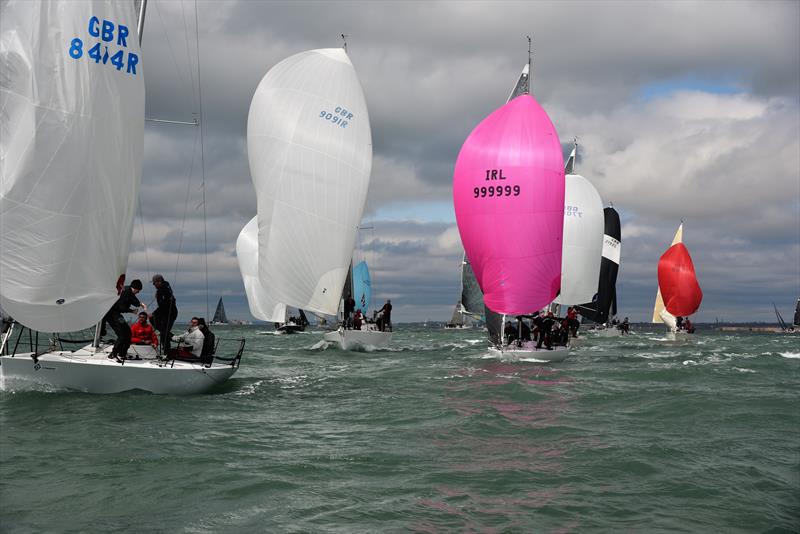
{"x": 262, "y": 306}
{"x": 658, "y": 316}
{"x": 310, "y": 151}
{"x": 70, "y": 158}
{"x": 583, "y": 241}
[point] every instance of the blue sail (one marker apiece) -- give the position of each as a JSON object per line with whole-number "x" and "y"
{"x": 362, "y": 287}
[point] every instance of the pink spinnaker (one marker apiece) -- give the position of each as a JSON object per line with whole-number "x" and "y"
{"x": 513, "y": 241}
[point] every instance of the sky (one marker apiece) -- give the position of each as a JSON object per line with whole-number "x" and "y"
{"x": 683, "y": 111}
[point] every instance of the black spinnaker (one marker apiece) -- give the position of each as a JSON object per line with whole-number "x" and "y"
{"x": 606, "y": 298}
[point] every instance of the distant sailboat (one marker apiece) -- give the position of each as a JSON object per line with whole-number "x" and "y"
{"x": 459, "y": 319}
{"x": 679, "y": 294}
{"x": 72, "y": 151}
{"x": 220, "y": 319}
{"x": 508, "y": 192}
{"x": 310, "y": 153}
{"x": 369, "y": 336}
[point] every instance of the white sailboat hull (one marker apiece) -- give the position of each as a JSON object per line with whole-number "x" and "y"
{"x": 92, "y": 371}
{"x": 359, "y": 339}
{"x": 528, "y": 350}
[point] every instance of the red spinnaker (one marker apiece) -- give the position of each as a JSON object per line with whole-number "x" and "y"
{"x": 678, "y": 283}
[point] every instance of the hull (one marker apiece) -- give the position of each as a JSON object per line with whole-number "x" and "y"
{"x": 529, "y": 351}
{"x": 290, "y": 329}
{"x": 91, "y": 371}
{"x": 457, "y": 327}
{"x": 359, "y": 339}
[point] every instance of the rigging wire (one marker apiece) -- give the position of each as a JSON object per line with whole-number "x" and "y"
{"x": 202, "y": 150}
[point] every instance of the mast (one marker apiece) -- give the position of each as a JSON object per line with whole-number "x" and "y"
{"x": 530, "y": 68}
{"x": 140, "y": 26}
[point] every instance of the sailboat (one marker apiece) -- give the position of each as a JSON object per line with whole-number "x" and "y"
{"x": 72, "y": 148}
{"x": 220, "y": 319}
{"x": 368, "y": 336}
{"x": 310, "y": 154}
{"x": 785, "y": 328}
{"x": 508, "y": 193}
{"x": 679, "y": 294}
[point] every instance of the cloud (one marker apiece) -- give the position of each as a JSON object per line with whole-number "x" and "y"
{"x": 682, "y": 110}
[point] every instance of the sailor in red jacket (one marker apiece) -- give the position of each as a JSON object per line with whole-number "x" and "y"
{"x": 142, "y": 333}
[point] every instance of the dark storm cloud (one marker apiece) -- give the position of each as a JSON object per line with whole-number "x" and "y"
{"x": 683, "y": 110}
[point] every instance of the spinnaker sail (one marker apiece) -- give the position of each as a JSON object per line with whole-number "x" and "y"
{"x": 603, "y": 304}
{"x": 678, "y": 281}
{"x": 362, "y": 287}
{"x": 508, "y": 192}
{"x": 72, "y": 99}
{"x": 310, "y": 152}
{"x": 262, "y": 305}
{"x": 583, "y": 241}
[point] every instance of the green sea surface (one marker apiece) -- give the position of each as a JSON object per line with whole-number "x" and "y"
{"x": 633, "y": 434}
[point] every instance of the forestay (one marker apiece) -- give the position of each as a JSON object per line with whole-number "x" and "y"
{"x": 262, "y": 306}
{"x": 310, "y": 153}
{"x": 583, "y": 241}
{"x": 72, "y": 100}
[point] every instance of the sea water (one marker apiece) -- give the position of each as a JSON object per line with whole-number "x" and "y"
{"x": 633, "y": 434}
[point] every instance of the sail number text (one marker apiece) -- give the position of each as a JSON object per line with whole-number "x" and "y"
{"x": 340, "y": 116}
{"x": 573, "y": 211}
{"x": 496, "y": 190}
{"x": 109, "y": 34}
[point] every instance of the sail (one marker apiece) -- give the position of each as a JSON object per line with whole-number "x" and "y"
{"x": 219, "y": 313}
{"x": 659, "y": 299}
{"x": 310, "y": 153}
{"x": 678, "y": 282}
{"x": 457, "y": 318}
{"x": 569, "y": 166}
{"x": 72, "y": 108}
{"x": 494, "y": 324}
{"x": 471, "y": 295}
{"x": 606, "y": 297}
{"x": 523, "y": 84}
{"x": 796, "y": 321}
{"x": 362, "y": 287}
{"x": 583, "y": 241}
{"x": 508, "y": 192}
{"x": 781, "y": 322}
{"x": 262, "y": 305}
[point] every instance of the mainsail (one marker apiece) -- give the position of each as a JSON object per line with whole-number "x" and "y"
{"x": 310, "y": 152}
{"x": 471, "y": 295}
{"x": 796, "y": 320}
{"x": 508, "y": 192}
{"x": 605, "y": 300}
{"x": 583, "y": 241}
{"x": 219, "y": 313}
{"x": 523, "y": 84}
{"x": 659, "y": 306}
{"x": 71, "y": 144}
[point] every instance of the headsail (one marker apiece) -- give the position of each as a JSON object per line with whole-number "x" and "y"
{"x": 781, "y": 322}
{"x": 362, "y": 287}
{"x": 659, "y": 299}
{"x": 606, "y": 298}
{"x": 70, "y": 158}
{"x": 262, "y": 305}
{"x": 508, "y": 191}
{"x": 310, "y": 152}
